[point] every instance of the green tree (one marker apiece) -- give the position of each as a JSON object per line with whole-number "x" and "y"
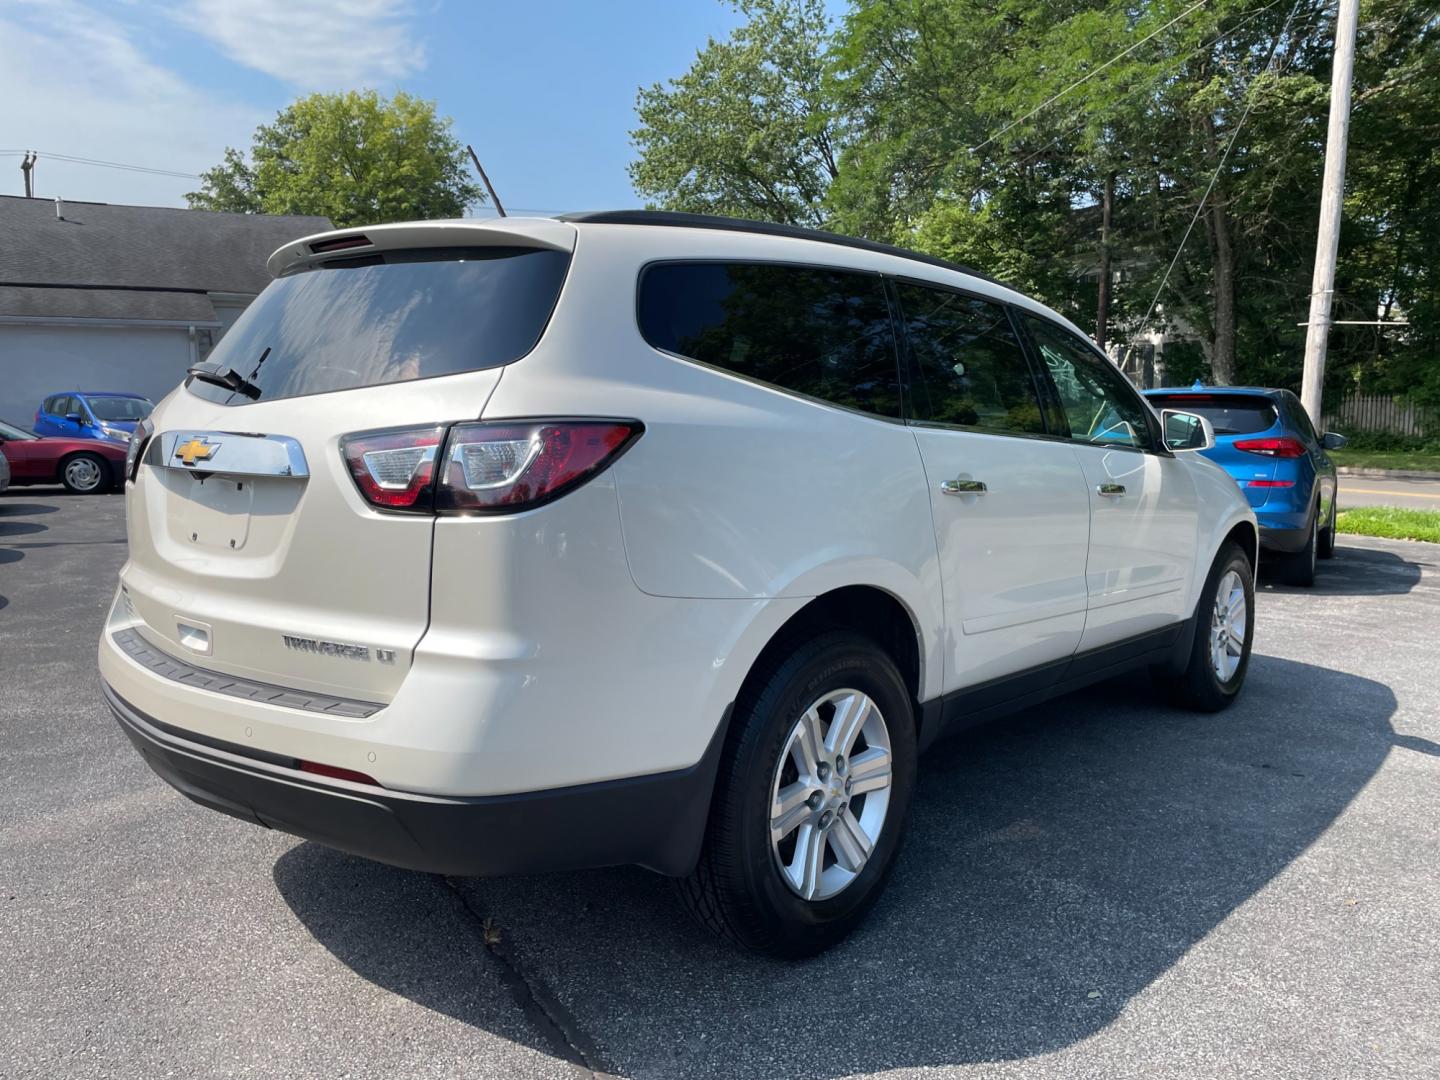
{"x": 748, "y": 131}
{"x": 355, "y": 157}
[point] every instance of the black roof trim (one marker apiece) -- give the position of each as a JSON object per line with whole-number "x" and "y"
{"x": 675, "y": 219}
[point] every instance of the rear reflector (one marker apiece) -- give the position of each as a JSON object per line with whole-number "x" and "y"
{"x": 393, "y": 469}
{"x": 1272, "y": 483}
{"x": 1283, "y": 447}
{"x": 337, "y": 773}
{"x": 507, "y": 466}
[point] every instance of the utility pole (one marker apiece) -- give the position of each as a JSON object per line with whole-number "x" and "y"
{"x": 1102, "y": 315}
{"x": 1332, "y": 197}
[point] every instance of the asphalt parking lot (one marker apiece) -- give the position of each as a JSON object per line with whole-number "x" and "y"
{"x": 1102, "y": 886}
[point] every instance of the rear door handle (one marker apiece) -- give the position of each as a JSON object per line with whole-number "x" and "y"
{"x": 964, "y": 487}
{"x": 1110, "y": 489}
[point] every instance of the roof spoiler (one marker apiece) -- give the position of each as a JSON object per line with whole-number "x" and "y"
{"x": 347, "y": 243}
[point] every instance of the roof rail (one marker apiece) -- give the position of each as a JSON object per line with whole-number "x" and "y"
{"x": 679, "y": 220}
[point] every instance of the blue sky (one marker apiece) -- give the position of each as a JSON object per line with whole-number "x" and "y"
{"x": 544, "y": 89}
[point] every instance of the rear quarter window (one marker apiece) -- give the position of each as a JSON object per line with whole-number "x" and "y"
{"x": 1229, "y": 414}
{"x": 390, "y": 317}
{"x": 823, "y": 333}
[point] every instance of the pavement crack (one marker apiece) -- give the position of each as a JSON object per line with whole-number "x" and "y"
{"x": 540, "y": 1007}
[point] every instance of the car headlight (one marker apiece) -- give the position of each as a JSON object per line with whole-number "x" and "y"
{"x": 118, "y": 434}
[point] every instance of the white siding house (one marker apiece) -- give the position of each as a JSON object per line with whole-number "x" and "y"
{"x": 101, "y": 297}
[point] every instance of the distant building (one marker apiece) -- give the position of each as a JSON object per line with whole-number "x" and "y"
{"x": 101, "y": 297}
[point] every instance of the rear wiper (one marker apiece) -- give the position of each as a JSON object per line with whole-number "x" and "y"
{"x": 227, "y": 378}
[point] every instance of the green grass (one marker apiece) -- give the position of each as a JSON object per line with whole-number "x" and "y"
{"x": 1424, "y": 460}
{"x": 1391, "y": 522}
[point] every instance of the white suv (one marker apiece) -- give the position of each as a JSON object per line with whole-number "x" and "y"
{"x": 488, "y": 547}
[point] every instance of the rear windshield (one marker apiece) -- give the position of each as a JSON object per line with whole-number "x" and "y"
{"x": 120, "y": 408}
{"x": 389, "y": 318}
{"x": 1229, "y": 414}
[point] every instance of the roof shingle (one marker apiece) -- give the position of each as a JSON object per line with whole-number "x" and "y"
{"x": 100, "y": 245}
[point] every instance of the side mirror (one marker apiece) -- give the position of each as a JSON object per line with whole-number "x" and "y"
{"x": 75, "y": 418}
{"x": 1186, "y": 431}
{"x": 1333, "y": 440}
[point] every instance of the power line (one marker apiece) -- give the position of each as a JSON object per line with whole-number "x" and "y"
{"x": 1150, "y": 83}
{"x": 1224, "y": 157}
{"x": 70, "y": 159}
{"x": 1086, "y": 78}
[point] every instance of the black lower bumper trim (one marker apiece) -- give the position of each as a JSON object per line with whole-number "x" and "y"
{"x": 1284, "y": 540}
{"x": 654, "y": 821}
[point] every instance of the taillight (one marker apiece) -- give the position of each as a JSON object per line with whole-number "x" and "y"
{"x": 138, "y": 438}
{"x": 1272, "y": 483}
{"x": 1280, "y": 448}
{"x": 394, "y": 469}
{"x": 489, "y": 466}
{"x": 506, "y": 466}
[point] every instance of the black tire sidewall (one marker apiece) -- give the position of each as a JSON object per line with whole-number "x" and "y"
{"x": 1207, "y": 688}
{"x": 830, "y": 662}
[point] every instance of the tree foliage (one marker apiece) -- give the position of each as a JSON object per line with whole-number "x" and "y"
{"x": 986, "y": 131}
{"x": 749, "y": 130}
{"x": 355, "y": 157}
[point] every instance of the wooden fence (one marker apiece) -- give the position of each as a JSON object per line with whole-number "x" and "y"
{"x": 1371, "y": 412}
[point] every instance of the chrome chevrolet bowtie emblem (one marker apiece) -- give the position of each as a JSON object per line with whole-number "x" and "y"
{"x": 197, "y": 449}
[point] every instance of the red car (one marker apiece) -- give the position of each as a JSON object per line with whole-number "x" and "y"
{"x": 84, "y": 466}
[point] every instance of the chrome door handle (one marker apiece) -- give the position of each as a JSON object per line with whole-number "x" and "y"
{"x": 1110, "y": 489}
{"x": 964, "y": 487}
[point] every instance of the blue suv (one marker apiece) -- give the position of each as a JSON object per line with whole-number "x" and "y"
{"x": 88, "y": 414}
{"x": 1264, "y": 439}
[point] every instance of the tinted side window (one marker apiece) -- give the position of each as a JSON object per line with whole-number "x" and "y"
{"x": 822, "y": 333}
{"x": 969, "y": 368}
{"x": 1099, "y": 403}
{"x": 1300, "y": 419}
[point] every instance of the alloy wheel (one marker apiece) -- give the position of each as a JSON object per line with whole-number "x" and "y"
{"x": 830, "y": 794}
{"x": 83, "y": 474}
{"x": 1228, "y": 625}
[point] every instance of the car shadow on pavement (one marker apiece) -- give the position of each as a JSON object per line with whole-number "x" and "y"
{"x": 1057, "y": 864}
{"x": 1354, "y": 571}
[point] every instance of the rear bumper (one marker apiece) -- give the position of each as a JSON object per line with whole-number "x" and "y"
{"x": 1289, "y": 540}
{"x": 654, "y": 821}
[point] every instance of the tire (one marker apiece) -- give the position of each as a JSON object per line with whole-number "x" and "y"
{"x": 1201, "y": 686}
{"x": 85, "y": 473}
{"x": 1326, "y": 548}
{"x": 742, "y": 887}
{"x": 1298, "y": 568}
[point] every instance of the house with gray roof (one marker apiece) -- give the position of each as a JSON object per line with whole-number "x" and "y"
{"x": 95, "y": 296}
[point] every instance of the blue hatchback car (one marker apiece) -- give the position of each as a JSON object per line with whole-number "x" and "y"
{"x": 91, "y": 414}
{"x": 1264, "y": 439}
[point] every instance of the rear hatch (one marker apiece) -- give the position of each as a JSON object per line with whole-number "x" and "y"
{"x": 252, "y": 550}
{"x": 1234, "y": 417}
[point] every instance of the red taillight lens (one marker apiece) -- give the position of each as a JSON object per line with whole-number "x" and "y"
{"x": 507, "y": 466}
{"x": 1272, "y": 483}
{"x": 393, "y": 469}
{"x": 1282, "y": 448}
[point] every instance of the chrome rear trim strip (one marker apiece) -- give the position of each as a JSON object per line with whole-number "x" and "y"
{"x": 227, "y": 453}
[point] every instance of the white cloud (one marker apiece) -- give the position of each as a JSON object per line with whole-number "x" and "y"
{"x": 75, "y": 81}
{"x": 326, "y": 46}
